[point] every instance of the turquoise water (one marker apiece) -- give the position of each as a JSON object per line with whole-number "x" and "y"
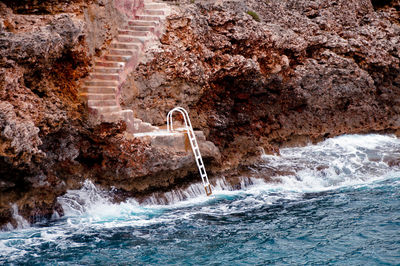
{"x": 340, "y": 205}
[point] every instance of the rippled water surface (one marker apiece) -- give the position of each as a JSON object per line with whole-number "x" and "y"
{"x": 339, "y": 203}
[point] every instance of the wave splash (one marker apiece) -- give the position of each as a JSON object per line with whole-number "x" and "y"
{"x": 349, "y": 160}
{"x": 364, "y": 165}
{"x": 20, "y": 222}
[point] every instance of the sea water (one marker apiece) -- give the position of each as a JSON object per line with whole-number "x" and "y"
{"x": 337, "y": 202}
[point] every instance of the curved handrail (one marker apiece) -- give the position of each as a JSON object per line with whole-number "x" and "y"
{"x": 193, "y": 144}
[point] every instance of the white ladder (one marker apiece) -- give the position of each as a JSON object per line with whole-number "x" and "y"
{"x": 193, "y": 143}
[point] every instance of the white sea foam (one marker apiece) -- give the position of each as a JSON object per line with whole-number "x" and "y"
{"x": 339, "y": 162}
{"x": 21, "y": 223}
{"x": 345, "y": 161}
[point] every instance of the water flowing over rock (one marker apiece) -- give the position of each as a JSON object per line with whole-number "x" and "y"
{"x": 255, "y": 76}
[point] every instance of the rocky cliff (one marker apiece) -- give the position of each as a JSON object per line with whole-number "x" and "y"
{"x": 272, "y": 73}
{"x": 255, "y": 75}
{"x": 47, "y": 145}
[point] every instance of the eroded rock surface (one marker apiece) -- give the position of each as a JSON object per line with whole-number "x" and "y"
{"x": 291, "y": 72}
{"x": 46, "y": 143}
{"x": 305, "y": 71}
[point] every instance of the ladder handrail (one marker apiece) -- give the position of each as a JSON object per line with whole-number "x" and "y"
{"x": 193, "y": 144}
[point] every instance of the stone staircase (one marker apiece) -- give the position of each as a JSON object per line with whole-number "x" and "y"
{"x": 101, "y": 90}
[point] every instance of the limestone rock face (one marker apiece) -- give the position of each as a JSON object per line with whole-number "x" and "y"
{"x": 299, "y": 71}
{"x": 47, "y": 144}
{"x": 305, "y": 71}
{"x": 41, "y": 57}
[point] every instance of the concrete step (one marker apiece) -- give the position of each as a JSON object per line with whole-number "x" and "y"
{"x": 134, "y": 125}
{"x": 134, "y": 33}
{"x": 153, "y": 11}
{"x": 131, "y": 39}
{"x": 101, "y": 83}
{"x": 140, "y": 28}
{"x": 100, "y": 89}
{"x": 104, "y": 76}
{"x": 107, "y": 63}
{"x": 149, "y": 126}
{"x": 107, "y": 70}
{"x": 123, "y": 45}
{"x": 127, "y": 116}
{"x": 112, "y": 116}
{"x": 118, "y": 58}
{"x": 102, "y": 103}
{"x": 143, "y": 23}
{"x": 139, "y": 126}
{"x": 171, "y": 140}
{"x": 152, "y": 5}
{"x": 123, "y": 51}
{"x": 97, "y": 96}
{"x": 118, "y": 115}
{"x": 149, "y": 18}
{"x": 105, "y": 109}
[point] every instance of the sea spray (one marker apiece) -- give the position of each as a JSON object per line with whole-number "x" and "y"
{"x": 343, "y": 161}
{"x": 20, "y": 221}
{"x": 332, "y": 199}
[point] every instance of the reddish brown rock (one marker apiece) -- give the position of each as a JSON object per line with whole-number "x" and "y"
{"x": 306, "y": 71}
{"x": 46, "y": 143}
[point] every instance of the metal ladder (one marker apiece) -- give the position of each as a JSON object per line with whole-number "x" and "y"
{"x": 193, "y": 143}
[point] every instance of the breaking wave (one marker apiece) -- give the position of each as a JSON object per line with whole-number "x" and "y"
{"x": 310, "y": 206}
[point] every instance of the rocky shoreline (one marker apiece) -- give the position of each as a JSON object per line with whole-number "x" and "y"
{"x": 255, "y": 76}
